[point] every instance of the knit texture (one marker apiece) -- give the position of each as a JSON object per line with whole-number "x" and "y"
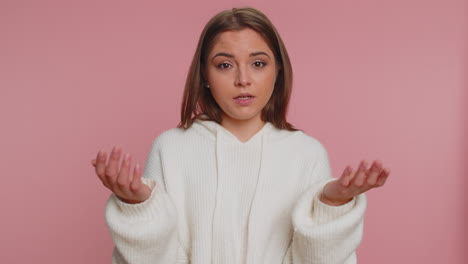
{"x": 216, "y": 199}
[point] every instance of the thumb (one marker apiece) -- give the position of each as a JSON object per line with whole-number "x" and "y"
{"x": 136, "y": 182}
{"x": 142, "y": 191}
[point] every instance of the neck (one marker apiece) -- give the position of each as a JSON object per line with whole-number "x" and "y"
{"x": 243, "y": 129}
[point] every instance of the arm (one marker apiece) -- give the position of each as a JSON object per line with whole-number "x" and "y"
{"x": 146, "y": 232}
{"x": 325, "y": 233}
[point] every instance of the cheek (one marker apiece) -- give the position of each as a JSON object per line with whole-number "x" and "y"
{"x": 267, "y": 81}
{"x": 219, "y": 79}
{"x": 219, "y": 93}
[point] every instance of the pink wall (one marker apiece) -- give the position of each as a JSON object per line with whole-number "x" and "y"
{"x": 373, "y": 79}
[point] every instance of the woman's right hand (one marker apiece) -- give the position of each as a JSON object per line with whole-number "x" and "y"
{"x": 126, "y": 186}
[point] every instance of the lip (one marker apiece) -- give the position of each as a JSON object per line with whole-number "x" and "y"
{"x": 244, "y": 94}
{"x": 244, "y": 102}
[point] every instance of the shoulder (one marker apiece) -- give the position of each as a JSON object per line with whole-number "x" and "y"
{"x": 311, "y": 142}
{"x": 169, "y": 135}
{"x": 312, "y": 147}
{"x": 299, "y": 140}
{"x": 176, "y": 137}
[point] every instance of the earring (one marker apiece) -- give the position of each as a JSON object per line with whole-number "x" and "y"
{"x": 207, "y": 86}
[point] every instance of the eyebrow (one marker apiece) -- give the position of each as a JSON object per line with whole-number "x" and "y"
{"x": 232, "y": 56}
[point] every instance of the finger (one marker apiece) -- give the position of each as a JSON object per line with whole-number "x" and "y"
{"x": 123, "y": 179}
{"x": 101, "y": 164}
{"x": 112, "y": 168}
{"x": 100, "y": 167}
{"x": 374, "y": 173}
{"x": 345, "y": 178}
{"x": 360, "y": 176}
{"x": 352, "y": 174}
{"x": 136, "y": 178}
{"x": 383, "y": 177}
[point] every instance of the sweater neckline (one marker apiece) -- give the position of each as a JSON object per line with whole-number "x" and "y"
{"x": 253, "y": 138}
{"x": 217, "y": 129}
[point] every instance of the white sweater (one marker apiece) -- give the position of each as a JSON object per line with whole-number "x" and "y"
{"x": 218, "y": 200}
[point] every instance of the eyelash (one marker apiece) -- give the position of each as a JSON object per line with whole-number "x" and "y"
{"x": 220, "y": 65}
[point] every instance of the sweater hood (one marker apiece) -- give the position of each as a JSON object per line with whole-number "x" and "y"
{"x": 230, "y": 155}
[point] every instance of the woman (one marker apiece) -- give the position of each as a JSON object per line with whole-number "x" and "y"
{"x": 235, "y": 182}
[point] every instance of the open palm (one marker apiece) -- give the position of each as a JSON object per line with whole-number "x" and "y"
{"x": 126, "y": 186}
{"x": 352, "y": 183}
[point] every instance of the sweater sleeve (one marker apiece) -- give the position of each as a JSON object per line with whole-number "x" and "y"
{"x": 145, "y": 232}
{"x": 325, "y": 234}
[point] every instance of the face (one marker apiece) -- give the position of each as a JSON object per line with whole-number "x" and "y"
{"x": 241, "y": 71}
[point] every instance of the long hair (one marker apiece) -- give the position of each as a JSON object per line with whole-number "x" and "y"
{"x": 198, "y": 100}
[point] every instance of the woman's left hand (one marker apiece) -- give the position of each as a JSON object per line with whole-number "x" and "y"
{"x": 352, "y": 183}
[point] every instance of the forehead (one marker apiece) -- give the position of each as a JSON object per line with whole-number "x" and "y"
{"x": 240, "y": 41}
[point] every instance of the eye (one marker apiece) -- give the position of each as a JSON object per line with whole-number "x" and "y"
{"x": 259, "y": 64}
{"x": 224, "y": 65}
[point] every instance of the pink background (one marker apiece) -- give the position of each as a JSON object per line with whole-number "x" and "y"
{"x": 373, "y": 80}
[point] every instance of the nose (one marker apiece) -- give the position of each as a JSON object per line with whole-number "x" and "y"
{"x": 243, "y": 77}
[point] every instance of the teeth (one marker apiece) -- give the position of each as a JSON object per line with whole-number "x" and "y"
{"x": 243, "y": 97}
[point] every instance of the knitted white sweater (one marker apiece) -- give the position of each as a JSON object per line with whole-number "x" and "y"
{"x": 218, "y": 200}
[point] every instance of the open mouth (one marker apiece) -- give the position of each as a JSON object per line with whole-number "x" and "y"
{"x": 243, "y": 97}
{"x": 244, "y": 100}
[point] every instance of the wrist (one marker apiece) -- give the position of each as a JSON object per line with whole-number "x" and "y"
{"x": 324, "y": 199}
{"x": 127, "y": 201}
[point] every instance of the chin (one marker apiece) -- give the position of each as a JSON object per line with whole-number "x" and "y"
{"x": 243, "y": 116}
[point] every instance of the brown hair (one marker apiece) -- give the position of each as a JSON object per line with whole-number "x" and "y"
{"x": 198, "y": 100}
